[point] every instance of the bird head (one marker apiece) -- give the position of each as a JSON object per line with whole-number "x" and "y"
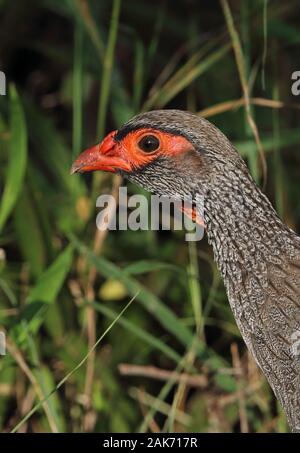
{"x": 168, "y": 152}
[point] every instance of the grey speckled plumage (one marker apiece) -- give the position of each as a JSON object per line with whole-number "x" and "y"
{"x": 257, "y": 255}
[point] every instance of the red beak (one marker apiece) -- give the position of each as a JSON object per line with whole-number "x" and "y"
{"x": 105, "y": 156}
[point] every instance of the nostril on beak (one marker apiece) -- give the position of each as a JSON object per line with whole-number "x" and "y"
{"x": 75, "y": 168}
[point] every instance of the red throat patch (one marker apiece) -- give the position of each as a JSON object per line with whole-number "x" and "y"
{"x": 192, "y": 214}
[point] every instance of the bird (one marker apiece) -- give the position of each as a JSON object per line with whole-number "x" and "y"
{"x": 177, "y": 153}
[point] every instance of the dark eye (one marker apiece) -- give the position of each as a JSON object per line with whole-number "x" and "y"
{"x": 149, "y": 143}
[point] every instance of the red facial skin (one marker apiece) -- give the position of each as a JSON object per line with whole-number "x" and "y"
{"x": 111, "y": 156}
{"x": 126, "y": 155}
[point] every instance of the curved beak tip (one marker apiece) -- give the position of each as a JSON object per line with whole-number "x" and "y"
{"x": 103, "y": 157}
{"x": 75, "y": 168}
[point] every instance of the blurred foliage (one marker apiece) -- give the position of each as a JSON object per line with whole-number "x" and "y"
{"x": 76, "y": 70}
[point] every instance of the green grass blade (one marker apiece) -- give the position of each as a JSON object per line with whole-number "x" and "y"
{"x": 77, "y": 89}
{"x": 149, "y": 300}
{"x": 17, "y": 157}
{"x": 107, "y": 68}
{"x": 195, "y": 288}
{"x": 33, "y": 252}
{"x": 145, "y": 266}
{"x": 166, "y": 94}
{"x": 288, "y": 137}
{"x": 51, "y": 149}
{"x": 46, "y": 382}
{"x": 91, "y": 27}
{"x": 68, "y": 375}
{"x": 138, "y": 74}
{"x": 140, "y": 333}
{"x": 164, "y": 392}
{"x": 44, "y": 293}
{"x": 52, "y": 279}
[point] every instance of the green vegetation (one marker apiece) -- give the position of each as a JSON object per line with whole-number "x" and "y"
{"x": 131, "y": 331}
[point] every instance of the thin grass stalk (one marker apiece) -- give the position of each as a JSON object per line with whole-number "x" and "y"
{"x": 235, "y": 104}
{"x": 17, "y": 355}
{"x": 195, "y": 290}
{"x": 161, "y": 396}
{"x": 180, "y": 395}
{"x": 138, "y": 75}
{"x": 277, "y": 162}
{"x": 107, "y": 68}
{"x": 76, "y": 368}
{"x": 239, "y": 57}
{"x": 175, "y": 85}
{"x": 91, "y": 27}
{"x": 90, "y": 296}
{"x": 100, "y": 235}
{"x": 166, "y": 80}
{"x": 77, "y": 89}
{"x": 246, "y": 40}
{"x": 148, "y": 400}
{"x": 265, "y": 44}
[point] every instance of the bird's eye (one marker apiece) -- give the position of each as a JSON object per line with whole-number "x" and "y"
{"x": 149, "y": 143}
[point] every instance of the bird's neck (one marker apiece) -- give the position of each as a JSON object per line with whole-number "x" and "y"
{"x": 244, "y": 230}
